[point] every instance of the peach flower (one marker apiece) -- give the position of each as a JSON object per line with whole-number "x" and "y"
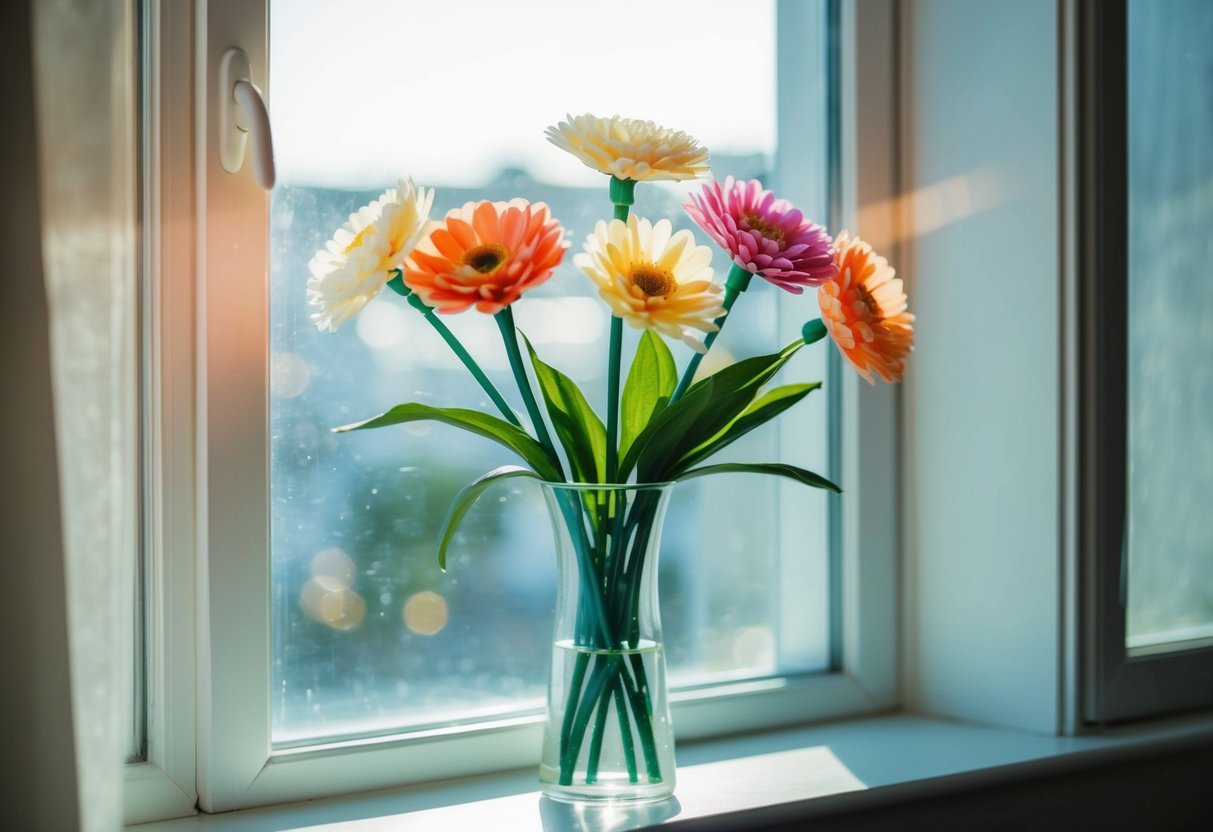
{"x": 863, "y": 308}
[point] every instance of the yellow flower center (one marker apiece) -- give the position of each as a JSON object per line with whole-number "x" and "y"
{"x": 770, "y": 232}
{"x": 358, "y": 239}
{"x": 486, "y": 257}
{"x": 651, "y": 280}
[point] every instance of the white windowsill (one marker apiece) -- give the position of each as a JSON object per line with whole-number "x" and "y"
{"x": 746, "y": 774}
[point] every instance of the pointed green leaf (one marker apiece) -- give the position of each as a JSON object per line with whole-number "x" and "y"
{"x": 649, "y": 385}
{"x": 762, "y": 410}
{"x": 467, "y": 497}
{"x": 663, "y": 430}
{"x": 710, "y": 405}
{"x": 779, "y": 469}
{"x": 499, "y": 430}
{"x": 578, "y": 427}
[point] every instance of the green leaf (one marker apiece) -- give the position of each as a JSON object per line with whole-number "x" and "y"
{"x": 707, "y": 408}
{"x": 580, "y": 430}
{"x": 779, "y": 469}
{"x": 499, "y": 430}
{"x": 762, "y": 410}
{"x": 665, "y": 427}
{"x": 648, "y": 387}
{"x": 467, "y": 497}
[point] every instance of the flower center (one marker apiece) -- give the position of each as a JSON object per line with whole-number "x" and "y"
{"x": 486, "y": 257}
{"x": 874, "y": 315}
{"x": 358, "y": 239}
{"x": 769, "y": 231}
{"x": 654, "y": 282}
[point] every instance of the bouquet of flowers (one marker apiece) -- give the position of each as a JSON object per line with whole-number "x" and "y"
{"x": 661, "y": 426}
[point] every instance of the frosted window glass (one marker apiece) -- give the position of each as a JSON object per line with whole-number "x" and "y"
{"x": 1170, "y": 553}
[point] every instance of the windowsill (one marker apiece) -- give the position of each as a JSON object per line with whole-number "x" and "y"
{"x": 781, "y": 775}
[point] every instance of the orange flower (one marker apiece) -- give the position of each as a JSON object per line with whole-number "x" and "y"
{"x": 485, "y": 254}
{"x": 863, "y": 308}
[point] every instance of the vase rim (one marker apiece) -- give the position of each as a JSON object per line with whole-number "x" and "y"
{"x": 610, "y": 486}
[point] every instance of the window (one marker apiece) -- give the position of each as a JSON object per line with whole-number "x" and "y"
{"x": 1149, "y": 443}
{"x": 971, "y": 582}
{"x": 369, "y": 636}
{"x": 268, "y": 386}
{"x": 1170, "y": 372}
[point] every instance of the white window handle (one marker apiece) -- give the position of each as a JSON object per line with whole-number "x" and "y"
{"x": 242, "y": 114}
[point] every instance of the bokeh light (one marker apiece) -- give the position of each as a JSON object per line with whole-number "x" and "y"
{"x": 426, "y": 613}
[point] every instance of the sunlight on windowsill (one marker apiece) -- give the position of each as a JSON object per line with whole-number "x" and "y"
{"x": 801, "y": 770}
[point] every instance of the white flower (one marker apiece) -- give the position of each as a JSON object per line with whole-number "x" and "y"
{"x": 356, "y": 263}
{"x": 628, "y": 148}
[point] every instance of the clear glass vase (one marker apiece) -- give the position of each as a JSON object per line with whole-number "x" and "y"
{"x": 608, "y": 735}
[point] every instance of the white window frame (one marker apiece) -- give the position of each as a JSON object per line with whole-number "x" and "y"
{"x": 164, "y": 784}
{"x": 209, "y": 527}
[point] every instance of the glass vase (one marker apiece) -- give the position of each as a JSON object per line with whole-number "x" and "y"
{"x": 608, "y": 735}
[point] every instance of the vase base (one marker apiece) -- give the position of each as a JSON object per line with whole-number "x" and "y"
{"x": 608, "y": 792}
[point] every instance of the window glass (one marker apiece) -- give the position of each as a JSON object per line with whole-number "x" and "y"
{"x": 1170, "y": 550}
{"x": 369, "y": 636}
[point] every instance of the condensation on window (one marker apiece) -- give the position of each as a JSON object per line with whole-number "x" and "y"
{"x": 1170, "y": 376}
{"x": 369, "y": 635}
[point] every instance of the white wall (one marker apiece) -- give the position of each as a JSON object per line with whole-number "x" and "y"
{"x": 981, "y": 399}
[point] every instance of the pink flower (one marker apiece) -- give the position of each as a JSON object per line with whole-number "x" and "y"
{"x": 766, "y": 236}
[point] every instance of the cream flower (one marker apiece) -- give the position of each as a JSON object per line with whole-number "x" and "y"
{"x": 628, "y": 148}
{"x": 356, "y": 263}
{"x": 653, "y": 279}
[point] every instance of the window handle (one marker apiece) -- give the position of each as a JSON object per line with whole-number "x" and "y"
{"x": 242, "y": 115}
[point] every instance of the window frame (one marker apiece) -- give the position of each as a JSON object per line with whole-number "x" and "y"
{"x": 208, "y": 464}
{"x": 1117, "y": 685}
{"x": 163, "y": 785}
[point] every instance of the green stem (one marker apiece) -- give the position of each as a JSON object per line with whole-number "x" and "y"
{"x": 613, "y": 669}
{"x": 397, "y": 285}
{"x": 623, "y": 195}
{"x": 619, "y": 676}
{"x": 505, "y": 322}
{"x": 593, "y": 692}
{"x": 736, "y": 283}
{"x": 593, "y": 628}
{"x": 591, "y": 766}
{"x": 566, "y": 726}
{"x": 625, "y": 733}
{"x": 612, "y": 425}
{"x": 642, "y": 707}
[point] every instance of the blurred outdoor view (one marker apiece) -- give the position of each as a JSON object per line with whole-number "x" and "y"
{"x": 369, "y": 635}
{"x": 1170, "y": 552}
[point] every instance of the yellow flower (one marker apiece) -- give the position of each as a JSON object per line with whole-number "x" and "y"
{"x": 356, "y": 263}
{"x": 652, "y": 279}
{"x": 628, "y": 148}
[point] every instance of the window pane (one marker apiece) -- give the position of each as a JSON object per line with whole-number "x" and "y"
{"x": 369, "y": 635}
{"x": 1170, "y": 553}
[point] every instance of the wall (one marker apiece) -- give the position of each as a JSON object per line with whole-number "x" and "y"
{"x": 37, "y": 754}
{"x": 981, "y": 399}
